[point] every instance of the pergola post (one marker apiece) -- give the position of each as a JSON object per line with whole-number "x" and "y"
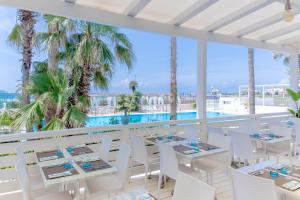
{"x": 201, "y": 84}
{"x": 293, "y": 76}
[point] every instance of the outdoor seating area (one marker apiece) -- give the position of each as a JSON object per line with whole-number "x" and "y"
{"x": 58, "y": 155}
{"x": 237, "y": 161}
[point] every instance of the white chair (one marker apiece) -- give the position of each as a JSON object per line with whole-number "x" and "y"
{"x": 191, "y": 133}
{"x": 280, "y": 129}
{"x": 141, "y": 155}
{"x": 281, "y": 148}
{"x": 27, "y": 192}
{"x": 112, "y": 183}
{"x": 248, "y": 126}
{"x": 106, "y": 142}
{"x": 169, "y": 165}
{"x": 270, "y": 121}
{"x": 217, "y": 162}
{"x": 34, "y": 175}
{"x": 190, "y": 188}
{"x": 243, "y": 149}
{"x": 248, "y": 187}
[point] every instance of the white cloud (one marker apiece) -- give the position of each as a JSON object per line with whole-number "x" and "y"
{"x": 121, "y": 84}
{"x": 6, "y": 24}
{"x": 284, "y": 81}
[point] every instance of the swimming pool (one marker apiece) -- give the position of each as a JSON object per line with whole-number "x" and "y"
{"x": 144, "y": 117}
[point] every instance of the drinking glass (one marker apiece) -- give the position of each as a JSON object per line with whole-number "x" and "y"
{"x": 170, "y": 136}
{"x": 70, "y": 149}
{"x": 273, "y": 174}
{"x": 86, "y": 164}
{"x": 59, "y": 152}
{"x": 284, "y": 170}
{"x": 68, "y": 164}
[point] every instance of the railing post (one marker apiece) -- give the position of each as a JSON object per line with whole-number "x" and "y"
{"x": 201, "y": 83}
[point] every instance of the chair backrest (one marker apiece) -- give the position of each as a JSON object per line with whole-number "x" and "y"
{"x": 270, "y": 120}
{"x": 20, "y": 153}
{"x": 296, "y": 128}
{"x": 106, "y": 142}
{"x": 248, "y": 126}
{"x": 23, "y": 179}
{"x": 191, "y": 188}
{"x": 248, "y": 187}
{"x": 191, "y": 133}
{"x": 217, "y": 138}
{"x": 139, "y": 150}
{"x": 122, "y": 162}
{"x": 241, "y": 145}
{"x": 168, "y": 161}
{"x": 280, "y": 129}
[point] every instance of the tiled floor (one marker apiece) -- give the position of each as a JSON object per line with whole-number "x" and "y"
{"x": 220, "y": 181}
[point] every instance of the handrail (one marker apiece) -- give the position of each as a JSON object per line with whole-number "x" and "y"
{"x": 78, "y": 131}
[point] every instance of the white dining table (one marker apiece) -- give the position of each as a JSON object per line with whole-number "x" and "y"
{"x": 190, "y": 156}
{"x": 262, "y": 165}
{"x": 76, "y": 179}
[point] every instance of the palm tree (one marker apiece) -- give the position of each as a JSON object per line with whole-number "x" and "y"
{"x": 53, "y": 41}
{"x": 49, "y": 88}
{"x": 55, "y": 38}
{"x": 133, "y": 85}
{"x": 173, "y": 96}
{"x": 251, "y": 87}
{"x": 98, "y": 48}
{"x": 22, "y": 36}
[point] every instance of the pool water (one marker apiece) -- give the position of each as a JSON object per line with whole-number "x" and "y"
{"x": 144, "y": 117}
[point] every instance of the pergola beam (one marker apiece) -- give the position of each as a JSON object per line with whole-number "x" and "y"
{"x": 279, "y": 33}
{"x": 255, "y": 27}
{"x": 135, "y": 7}
{"x": 290, "y": 40}
{"x": 58, "y": 7}
{"x": 246, "y": 10}
{"x": 192, "y": 11}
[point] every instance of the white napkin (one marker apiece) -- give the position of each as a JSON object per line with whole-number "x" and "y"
{"x": 79, "y": 146}
{"x": 189, "y": 151}
{"x": 292, "y": 185}
{"x": 56, "y": 175}
{"x": 48, "y": 158}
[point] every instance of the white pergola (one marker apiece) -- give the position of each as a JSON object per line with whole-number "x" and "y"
{"x": 250, "y": 23}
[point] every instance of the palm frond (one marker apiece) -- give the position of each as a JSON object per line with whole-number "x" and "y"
{"x": 6, "y": 117}
{"x": 294, "y": 95}
{"x": 15, "y": 36}
{"x": 74, "y": 116}
{"x": 54, "y": 124}
{"x": 29, "y": 115}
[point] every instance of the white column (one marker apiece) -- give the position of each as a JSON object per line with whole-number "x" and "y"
{"x": 201, "y": 84}
{"x": 293, "y": 76}
{"x": 263, "y": 95}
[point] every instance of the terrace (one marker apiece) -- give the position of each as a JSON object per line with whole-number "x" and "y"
{"x": 255, "y": 143}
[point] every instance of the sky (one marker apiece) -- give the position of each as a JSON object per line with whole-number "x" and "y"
{"x": 226, "y": 64}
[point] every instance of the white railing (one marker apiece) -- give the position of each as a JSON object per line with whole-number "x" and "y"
{"x": 91, "y": 136}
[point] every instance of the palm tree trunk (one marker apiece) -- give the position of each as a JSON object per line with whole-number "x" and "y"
{"x": 53, "y": 49}
{"x": 27, "y": 21}
{"x": 173, "y": 96}
{"x": 52, "y": 65}
{"x": 251, "y": 87}
{"x": 84, "y": 83}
